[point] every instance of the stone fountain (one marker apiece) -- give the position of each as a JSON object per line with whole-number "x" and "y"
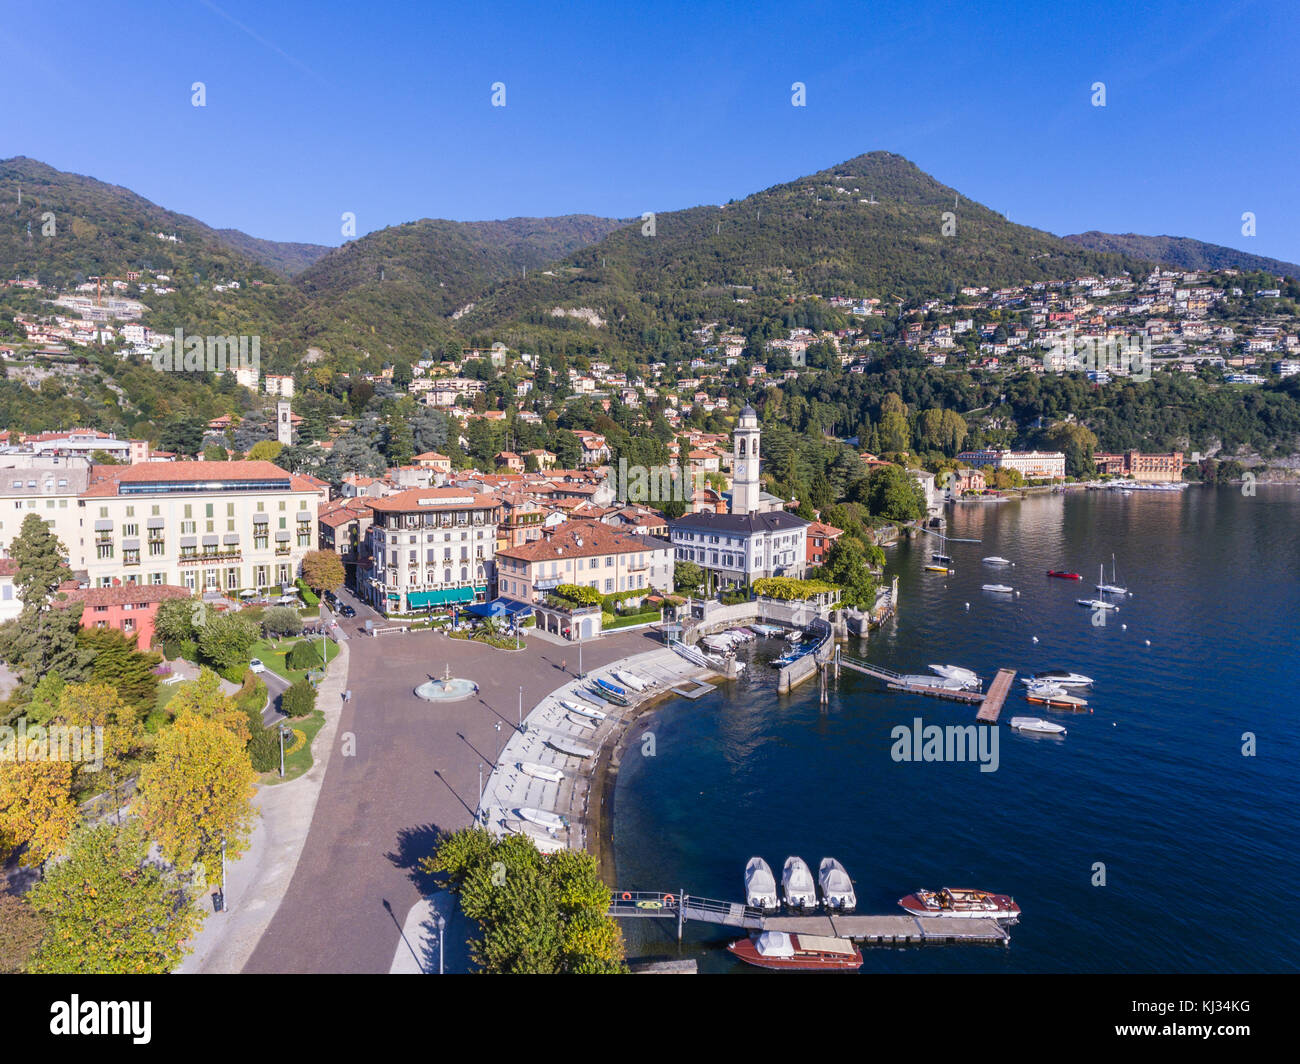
{"x": 447, "y": 689}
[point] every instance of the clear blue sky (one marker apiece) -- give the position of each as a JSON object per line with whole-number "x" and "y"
{"x": 614, "y": 109}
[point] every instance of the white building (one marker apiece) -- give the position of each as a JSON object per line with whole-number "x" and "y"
{"x": 1032, "y": 465}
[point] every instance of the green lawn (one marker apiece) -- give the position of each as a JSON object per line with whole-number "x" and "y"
{"x": 165, "y": 693}
{"x": 296, "y": 764}
{"x": 272, "y": 652}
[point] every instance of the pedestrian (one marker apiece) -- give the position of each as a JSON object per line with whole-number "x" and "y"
{"x": 563, "y": 665}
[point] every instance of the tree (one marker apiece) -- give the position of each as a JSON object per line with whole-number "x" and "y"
{"x": 99, "y": 706}
{"x": 182, "y": 436}
{"x": 299, "y": 699}
{"x": 893, "y": 494}
{"x": 282, "y": 620}
{"x": 214, "y": 452}
{"x": 110, "y": 910}
{"x": 197, "y": 792}
{"x": 126, "y": 669}
{"x": 204, "y": 698}
{"x": 226, "y": 640}
{"x": 322, "y": 570}
{"x": 1077, "y": 442}
{"x": 36, "y": 807}
{"x": 175, "y": 619}
{"x": 847, "y": 566}
{"x": 265, "y": 451}
{"x": 687, "y": 576}
{"x": 43, "y": 638}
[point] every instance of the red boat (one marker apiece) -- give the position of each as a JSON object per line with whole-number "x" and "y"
{"x": 1062, "y": 575}
{"x": 961, "y": 903}
{"x": 802, "y": 953}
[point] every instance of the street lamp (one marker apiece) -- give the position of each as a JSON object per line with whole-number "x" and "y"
{"x": 283, "y": 730}
{"x": 440, "y": 922}
{"x": 521, "y": 708}
{"x": 478, "y": 813}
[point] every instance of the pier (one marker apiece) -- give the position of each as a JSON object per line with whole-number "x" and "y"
{"x": 884, "y": 929}
{"x": 990, "y": 703}
{"x": 991, "y": 706}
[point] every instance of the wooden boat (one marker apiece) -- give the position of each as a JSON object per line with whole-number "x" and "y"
{"x": 802, "y": 953}
{"x": 961, "y": 903}
{"x": 1062, "y": 575}
{"x": 585, "y": 711}
{"x": 541, "y": 772}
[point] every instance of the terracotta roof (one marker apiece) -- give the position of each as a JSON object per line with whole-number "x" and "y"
{"x": 581, "y": 539}
{"x": 117, "y": 596}
{"x": 819, "y": 528}
{"x": 429, "y": 499}
{"x": 106, "y": 480}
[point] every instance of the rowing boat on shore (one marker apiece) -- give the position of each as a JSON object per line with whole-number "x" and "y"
{"x": 581, "y": 710}
{"x": 541, "y": 772}
{"x": 542, "y": 818}
{"x": 569, "y": 746}
{"x": 545, "y": 843}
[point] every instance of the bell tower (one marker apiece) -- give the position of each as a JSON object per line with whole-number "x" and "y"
{"x": 283, "y": 426}
{"x": 745, "y": 463}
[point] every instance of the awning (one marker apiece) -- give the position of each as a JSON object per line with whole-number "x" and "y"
{"x": 446, "y": 596}
{"x": 282, "y": 536}
{"x": 130, "y": 544}
{"x": 261, "y": 519}
{"x": 230, "y": 538}
{"x": 154, "y": 522}
{"x": 189, "y": 541}
{"x": 103, "y": 525}
{"x": 500, "y": 607}
{"x": 209, "y": 541}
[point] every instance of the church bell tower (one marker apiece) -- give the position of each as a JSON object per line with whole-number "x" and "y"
{"x": 745, "y": 464}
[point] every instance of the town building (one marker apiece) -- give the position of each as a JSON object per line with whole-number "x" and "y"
{"x": 1147, "y": 468}
{"x": 820, "y": 537}
{"x": 589, "y": 554}
{"x": 430, "y": 547}
{"x": 49, "y": 486}
{"x": 1032, "y": 465}
{"x": 132, "y": 608}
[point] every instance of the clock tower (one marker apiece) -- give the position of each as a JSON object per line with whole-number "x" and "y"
{"x": 745, "y": 463}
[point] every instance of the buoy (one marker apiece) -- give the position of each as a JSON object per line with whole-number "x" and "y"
{"x": 1035, "y": 639}
{"x": 1123, "y": 627}
{"x": 1148, "y": 642}
{"x": 968, "y": 605}
{"x": 627, "y": 896}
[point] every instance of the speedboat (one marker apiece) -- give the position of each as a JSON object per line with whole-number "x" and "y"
{"x": 797, "y": 881}
{"x": 1036, "y": 725}
{"x": 719, "y": 641}
{"x": 806, "y": 953}
{"x": 795, "y": 637}
{"x": 766, "y": 629}
{"x": 542, "y": 818}
{"x": 581, "y": 710}
{"x": 995, "y": 560}
{"x": 955, "y": 672}
{"x": 1002, "y": 589}
{"x": 1058, "y": 676}
{"x": 1062, "y": 575}
{"x": 961, "y": 903}
{"x": 837, "y": 888}
{"x": 1097, "y": 604}
{"x": 1054, "y": 695}
{"x": 541, "y": 772}
{"x": 760, "y": 886}
{"x": 943, "y": 683}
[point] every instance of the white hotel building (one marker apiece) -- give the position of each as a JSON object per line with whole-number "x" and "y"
{"x": 1032, "y": 465}
{"x": 429, "y": 547}
{"x": 206, "y": 526}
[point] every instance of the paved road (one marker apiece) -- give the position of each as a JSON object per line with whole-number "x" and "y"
{"x": 414, "y": 773}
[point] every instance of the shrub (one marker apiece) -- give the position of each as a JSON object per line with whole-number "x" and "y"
{"x": 264, "y": 750}
{"x": 308, "y": 595}
{"x": 252, "y": 695}
{"x": 282, "y": 620}
{"x": 303, "y": 655}
{"x": 154, "y": 722}
{"x": 299, "y": 700}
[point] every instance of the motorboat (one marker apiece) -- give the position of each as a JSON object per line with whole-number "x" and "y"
{"x": 1036, "y": 725}
{"x": 719, "y": 641}
{"x": 631, "y": 679}
{"x": 766, "y": 629}
{"x": 795, "y": 637}
{"x": 543, "y": 818}
{"x": 1054, "y": 695}
{"x": 1097, "y": 604}
{"x": 996, "y": 560}
{"x": 956, "y": 672}
{"x": 943, "y": 683}
{"x": 760, "y": 886}
{"x": 541, "y": 772}
{"x": 837, "y": 888}
{"x": 961, "y": 903}
{"x": 804, "y": 953}
{"x": 797, "y": 881}
{"x": 939, "y": 569}
{"x": 1001, "y": 589}
{"x": 740, "y": 635}
{"x": 569, "y": 746}
{"x": 1058, "y": 676}
{"x": 1062, "y": 575}
{"x": 583, "y": 711}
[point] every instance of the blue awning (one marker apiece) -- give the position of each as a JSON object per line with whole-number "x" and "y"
{"x": 501, "y": 607}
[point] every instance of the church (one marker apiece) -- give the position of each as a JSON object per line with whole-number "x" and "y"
{"x": 758, "y": 537}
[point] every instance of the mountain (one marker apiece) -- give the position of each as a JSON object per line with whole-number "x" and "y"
{"x": 286, "y": 258}
{"x": 1182, "y": 252}
{"x": 871, "y": 226}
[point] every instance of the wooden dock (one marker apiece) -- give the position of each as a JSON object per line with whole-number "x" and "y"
{"x": 991, "y": 705}
{"x": 883, "y": 929}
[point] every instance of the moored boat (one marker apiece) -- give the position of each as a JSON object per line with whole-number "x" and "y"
{"x": 1059, "y": 676}
{"x": 806, "y": 953}
{"x": 956, "y": 672}
{"x": 1097, "y": 604}
{"x": 837, "y": 888}
{"x": 1001, "y": 589}
{"x": 1055, "y": 698}
{"x": 998, "y": 560}
{"x": 1036, "y": 725}
{"x": 1060, "y": 574}
{"x": 760, "y": 886}
{"x": 961, "y": 903}
{"x": 797, "y": 881}
{"x": 939, "y": 569}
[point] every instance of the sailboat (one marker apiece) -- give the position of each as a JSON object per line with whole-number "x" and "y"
{"x": 943, "y": 558}
{"x": 1099, "y": 603}
{"x": 1111, "y": 588}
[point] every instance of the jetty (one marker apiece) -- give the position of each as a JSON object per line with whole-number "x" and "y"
{"x": 990, "y": 702}
{"x": 884, "y": 929}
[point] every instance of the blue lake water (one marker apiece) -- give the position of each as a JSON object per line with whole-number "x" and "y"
{"x": 1199, "y": 842}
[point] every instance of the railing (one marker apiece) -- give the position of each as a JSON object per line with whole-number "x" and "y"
{"x": 210, "y": 556}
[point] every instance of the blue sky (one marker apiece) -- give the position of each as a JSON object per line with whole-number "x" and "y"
{"x": 613, "y": 109}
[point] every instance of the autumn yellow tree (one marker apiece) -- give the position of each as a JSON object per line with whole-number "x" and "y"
{"x": 95, "y": 705}
{"x": 36, "y": 807}
{"x": 204, "y": 698}
{"x": 197, "y": 792}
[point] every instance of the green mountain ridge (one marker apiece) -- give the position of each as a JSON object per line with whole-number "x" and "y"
{"x": 1182, "y": 252}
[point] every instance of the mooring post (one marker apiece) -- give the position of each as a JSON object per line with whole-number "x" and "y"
{"x": 681, "y": 911}
{"x": 821, "y": 674}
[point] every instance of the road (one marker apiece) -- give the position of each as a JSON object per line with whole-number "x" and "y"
{"x": 415, "y": 772}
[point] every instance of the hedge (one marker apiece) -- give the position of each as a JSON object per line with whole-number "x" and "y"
{"x": 302, "y": 655}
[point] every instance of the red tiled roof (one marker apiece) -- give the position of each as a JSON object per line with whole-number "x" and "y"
{"x": 117, "y": 596}
{"x": 577, "y": 539}
{"x": 428, "y": 499}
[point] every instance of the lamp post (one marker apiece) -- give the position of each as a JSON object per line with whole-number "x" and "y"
{"x": 478, "y": 813}
{"x": 521, "y": 707}
{"x": 282, "y": 731}
{"x": 440, "y": 922}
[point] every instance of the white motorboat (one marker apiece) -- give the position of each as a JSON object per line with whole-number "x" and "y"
{"x": 631, "y": 679}
{"x": 797, "y": 881}
{"x": 956, "y": 674}
{"x": 996, "y": 560}
{"x": 760, "y": 886}
{"x": 1058, "y": 676}
{"x": 545, "y": 843}
{"x": 1001, "y": 589}
{"x": 541, "y": 772}
{"x": 837, "y": 888}
{"x": 1054, "y": 695}
{"x": 740, "y": 635}
{"x": 719, "y": 641}
{"x": 1097, "y": 604}
{"x": 581, "y": 710}
{"x": 1037, "y": 725}
{"x": 945, "y": 683}
{"x": 795, "y": 637}
{"x": 542, "y": 818}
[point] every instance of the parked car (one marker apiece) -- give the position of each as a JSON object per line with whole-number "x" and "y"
{"x": 257, "y": 665}
{"x": 347, "y": 611}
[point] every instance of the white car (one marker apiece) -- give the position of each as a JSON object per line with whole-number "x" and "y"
{"x": 256, "y": 665}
